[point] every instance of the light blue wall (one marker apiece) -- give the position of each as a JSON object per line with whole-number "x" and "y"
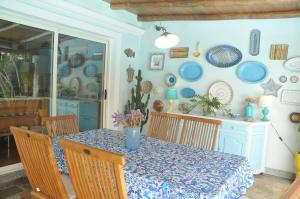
{"x": 236, "y": 33}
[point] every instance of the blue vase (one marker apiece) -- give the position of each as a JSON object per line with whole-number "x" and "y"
{"x": 249, "y": 112}
{"x": 132, "y": 138}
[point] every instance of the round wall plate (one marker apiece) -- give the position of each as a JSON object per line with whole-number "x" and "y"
{"x": 294, "y": 79}
{"x": 221, "y": 90}
{"x": 190, "y": 71}
{"x": 170, "y": 79}
{"x": 282, "y": 78}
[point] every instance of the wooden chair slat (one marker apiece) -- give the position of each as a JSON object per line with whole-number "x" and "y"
{"x": 95, "y": 173}
{"x": 61, "y": 125}
{"x": 293, "y": 191}
{"x": 200, "y": 132}
{"x": 164, "y": 126}
{"x": 39, "y": 164}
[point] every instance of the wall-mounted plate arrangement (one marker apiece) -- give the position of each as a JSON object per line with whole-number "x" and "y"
{"x": 90, "y": 70}
{"x": 221, "y": 90}
{"x": 190, "y": 71}
{"x": 92, "y": 87}
{"x": 254, "y": 42}
{"x": 294, "y": 79}
{"x": 252, "y": 72}
{"x": 64, "y": 70}
{"x": 290, "y": 97}
{"x": 187, "y": 92}
{"x": 282, "y": 79}
{"x": 170, "y": 79}
{"x": 293, "y": 64}
{"x": 224, "y": 56}
{"x": 76, "y": 60}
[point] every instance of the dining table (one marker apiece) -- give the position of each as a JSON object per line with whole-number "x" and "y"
{"x": 161, "y": 169}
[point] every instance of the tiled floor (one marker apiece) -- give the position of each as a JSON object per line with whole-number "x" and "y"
{"x": 265, "y": 187}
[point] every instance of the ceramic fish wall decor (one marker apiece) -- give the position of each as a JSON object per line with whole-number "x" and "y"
{"x": 129, "y": 52}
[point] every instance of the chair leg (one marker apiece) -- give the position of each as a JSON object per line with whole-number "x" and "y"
{"x": 8, "y": 146}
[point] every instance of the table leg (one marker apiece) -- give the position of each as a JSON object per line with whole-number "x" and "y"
{"x": 8, "y": 146}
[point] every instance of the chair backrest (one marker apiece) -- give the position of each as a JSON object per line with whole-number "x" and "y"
{"x": 164, "y": 126}
{"x": 61, "y": 125}
{"x": 293, "y": 191}
{"x": 94, "y": 173}
{"x": 39, "y": 164}
{"x": 200, "y": 132}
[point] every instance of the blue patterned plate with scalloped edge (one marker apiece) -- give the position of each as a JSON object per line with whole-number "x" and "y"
{"x": 224, "y": 56}
{"x": 187, "y": 92}
{"x": 190, "y": 71}
{"x": 252, "y": 72}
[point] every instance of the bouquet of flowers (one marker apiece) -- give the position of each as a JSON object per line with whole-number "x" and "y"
{"x": 133, "y": 119}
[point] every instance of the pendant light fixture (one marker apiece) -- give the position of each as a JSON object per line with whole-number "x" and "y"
{"x": 166, "y": 40}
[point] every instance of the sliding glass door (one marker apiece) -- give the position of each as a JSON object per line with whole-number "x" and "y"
{"x": 81, "y": 68}
{"x": 38, "y": 80}
{"x": 25, "y": 82}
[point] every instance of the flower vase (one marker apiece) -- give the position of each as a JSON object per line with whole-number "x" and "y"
{"x": 132, "y": 138}
{"x": 249, "y": 112}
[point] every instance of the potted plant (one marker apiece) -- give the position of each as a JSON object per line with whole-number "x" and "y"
{"x": 210, "y": 105}
{"x": 132, "y": 127}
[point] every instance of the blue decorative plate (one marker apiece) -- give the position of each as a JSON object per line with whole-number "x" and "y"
{"x": 187, "y": 92}
{"x": 170, "y": 79}
{"x": 64, "y": 70}
{"x": 224, "y": 56}
{"x": 90, "y": 70}
{"x": 190, "y": 71}
{"x": 252, "y": 72}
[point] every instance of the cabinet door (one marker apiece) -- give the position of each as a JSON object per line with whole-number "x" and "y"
{"x": 231, "y": 143}
{"x": 60, "y": 107}
{"x": 72, "y": 108}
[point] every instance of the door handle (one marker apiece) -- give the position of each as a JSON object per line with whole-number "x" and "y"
{"x": 105, "y": 94}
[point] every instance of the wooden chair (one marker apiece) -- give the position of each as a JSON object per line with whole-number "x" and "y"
{"x": 200, "y": 132}
{"x": 293, "y": 192}
{"x": 39, "y": 164}
{"x": 94, "y": 173}
{"x": 61, "y": 125}
{"x": 164, "y": 126}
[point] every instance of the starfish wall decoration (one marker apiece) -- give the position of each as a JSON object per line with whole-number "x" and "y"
{"x": 271, "y": 88}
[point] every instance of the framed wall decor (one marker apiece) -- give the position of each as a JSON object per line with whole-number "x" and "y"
{"x": 157, "y": 61}
{"x": 179, "y": 52}
{"x": 279, "y": 51}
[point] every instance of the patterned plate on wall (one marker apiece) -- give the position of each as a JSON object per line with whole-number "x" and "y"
{"x": 187, "y": 92}
{"x": 224, "y": 56}
{"x": 222, "y": 91}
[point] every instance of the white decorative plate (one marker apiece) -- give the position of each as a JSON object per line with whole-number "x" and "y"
{"x": 222, "y": 91}
{"x": 294, "y": 79}
{"x": 75, "y": 84}
{"x": 293, "y": 64}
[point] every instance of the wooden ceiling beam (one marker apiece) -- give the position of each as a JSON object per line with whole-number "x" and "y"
{"x": 265, "y": 15}
{"x": 135, "y": 4}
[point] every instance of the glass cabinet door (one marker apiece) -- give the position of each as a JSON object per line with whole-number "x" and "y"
{"x": 81, "y": 68}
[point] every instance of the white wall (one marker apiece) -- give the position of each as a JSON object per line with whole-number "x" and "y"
{"x": 236, "y": 33}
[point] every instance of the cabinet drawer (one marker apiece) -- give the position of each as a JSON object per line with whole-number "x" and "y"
{"x": 89, "y": 109}
{"x": 234, "y": 127}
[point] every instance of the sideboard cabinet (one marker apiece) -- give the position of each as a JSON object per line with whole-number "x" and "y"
{"x": 86, "y": 111}
{"x": 246, "y": 139}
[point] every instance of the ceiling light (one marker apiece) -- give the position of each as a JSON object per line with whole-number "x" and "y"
{"x": 166, "y": 40}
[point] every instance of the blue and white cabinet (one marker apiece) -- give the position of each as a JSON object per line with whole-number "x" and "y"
{"x": 86, "y": 111}
{"x": 246, "y": 139}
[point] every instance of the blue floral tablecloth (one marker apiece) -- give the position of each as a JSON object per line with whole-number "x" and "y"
{"x": 162, "y": 169}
